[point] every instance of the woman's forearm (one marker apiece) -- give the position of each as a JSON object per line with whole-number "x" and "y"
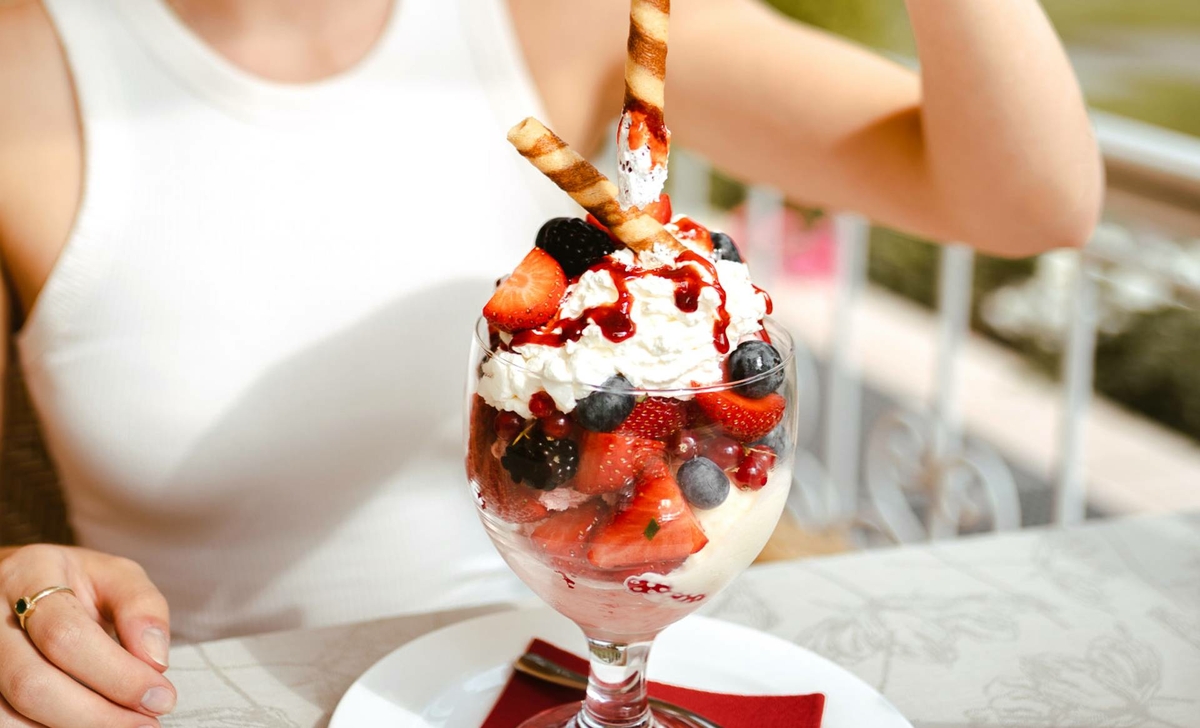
{"x": 991, "y": 146}
{"x": 1006, "y": 131}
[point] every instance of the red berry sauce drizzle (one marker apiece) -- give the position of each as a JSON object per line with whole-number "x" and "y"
{"x": 766, "y": 335}
{"x": 614, "y": 318}
{"x": 646, "y": 126}
{"x": 691, "y": 230}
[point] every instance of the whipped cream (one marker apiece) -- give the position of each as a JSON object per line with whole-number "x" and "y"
{"x": 640, "y": 181}
{"x": 671, "y": 349}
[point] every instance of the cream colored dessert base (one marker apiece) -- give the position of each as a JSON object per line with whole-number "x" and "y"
{"x": 737, "y": 531}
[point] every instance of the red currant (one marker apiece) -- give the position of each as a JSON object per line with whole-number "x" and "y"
{"x": 763, "y": 455}
{"x": 725, "y": 451}
{"x": 508, "y": 424}
{"x": 542, "y": 405}
{"x": 751, "y": 473}
{"x": 557, "y": 426}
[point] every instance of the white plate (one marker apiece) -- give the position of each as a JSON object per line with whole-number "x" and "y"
{"x": 452, "y": 677}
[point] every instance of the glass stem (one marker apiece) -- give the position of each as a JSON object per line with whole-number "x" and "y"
{"x": 616, "y": 694}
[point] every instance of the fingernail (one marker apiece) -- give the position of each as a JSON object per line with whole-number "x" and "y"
{"x": 154, "y": 640}
{"x": 158, "y": 701}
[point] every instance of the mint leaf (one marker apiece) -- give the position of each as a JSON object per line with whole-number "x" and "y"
{"x": 652, "y": 530}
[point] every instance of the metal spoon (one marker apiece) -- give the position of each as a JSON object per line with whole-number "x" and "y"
{"x": 551, "y": 672}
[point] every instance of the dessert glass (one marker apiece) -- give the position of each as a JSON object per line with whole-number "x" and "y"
{"x": 613, "y": 583}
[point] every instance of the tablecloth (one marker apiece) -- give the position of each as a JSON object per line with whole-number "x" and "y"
{"x": 1096, "y": 626}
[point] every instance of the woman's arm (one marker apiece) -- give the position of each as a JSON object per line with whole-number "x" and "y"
{"x": 991, "y": 145}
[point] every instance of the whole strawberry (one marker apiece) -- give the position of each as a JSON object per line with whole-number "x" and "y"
{"x": 656, "y": 418}
{"x": 744, "y": 418}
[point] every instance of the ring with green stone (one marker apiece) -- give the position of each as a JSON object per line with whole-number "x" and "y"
{"x": 25, "y": 605}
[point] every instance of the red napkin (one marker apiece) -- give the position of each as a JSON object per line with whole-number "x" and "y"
{"x": 524, "y": 697}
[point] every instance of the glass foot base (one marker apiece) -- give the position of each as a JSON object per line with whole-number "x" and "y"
{"x": 567, "y": 716}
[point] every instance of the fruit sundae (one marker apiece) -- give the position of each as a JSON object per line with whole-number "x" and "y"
{"x": 630, "y": 410}
{"x": 629, "y": 422}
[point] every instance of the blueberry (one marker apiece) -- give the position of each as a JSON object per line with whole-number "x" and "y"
{"x": 752, "y": 359}
{"x": 605, "y": 411}
{"x": 574, "y": 243}
{"x": 724, "y": 248}
{"x": 776, "y": 440}
{"x": 703, "y": 482}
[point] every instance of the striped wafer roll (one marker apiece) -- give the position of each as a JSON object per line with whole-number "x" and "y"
{"x": 643, "y": 141}
{"x": 646, "y": 64}
{"x": 584, "y": 183}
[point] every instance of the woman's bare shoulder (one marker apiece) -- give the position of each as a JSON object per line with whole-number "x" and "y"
{"x": 33, "y": 70}
{"x": 40, "y": 146}
{"x": 35, "y": 82}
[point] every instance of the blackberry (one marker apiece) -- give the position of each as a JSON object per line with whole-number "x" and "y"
{"x": 724, "y": 248}
{"x": 604, "y": 411}
{"x": 541, "y": 462}
{"x": 574, "y": 243}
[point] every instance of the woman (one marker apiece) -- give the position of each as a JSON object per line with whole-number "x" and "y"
{"x": 245, "y": 240}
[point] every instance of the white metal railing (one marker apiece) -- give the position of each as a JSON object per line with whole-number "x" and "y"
{"x": 923, "y": 458}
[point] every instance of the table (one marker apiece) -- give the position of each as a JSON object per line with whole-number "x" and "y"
{"x": 1092, "y": 627}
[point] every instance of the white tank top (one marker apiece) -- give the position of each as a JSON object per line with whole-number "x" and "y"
{"x": 249, "y": 361}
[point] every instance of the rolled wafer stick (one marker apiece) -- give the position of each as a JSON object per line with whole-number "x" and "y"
{"x": 646, "y": 62}
{"x": 583, "y": 182}
{"x": 643, "y": 141}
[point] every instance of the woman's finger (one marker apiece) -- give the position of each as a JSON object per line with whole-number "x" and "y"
{"x": 10, "y": 718}
{"x": 127, "y": 598}
{"x": 45, "y": 695}
{"x": 62, "y": 631}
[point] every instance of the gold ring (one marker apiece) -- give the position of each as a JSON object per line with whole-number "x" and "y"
{"x": 25, "y": 605}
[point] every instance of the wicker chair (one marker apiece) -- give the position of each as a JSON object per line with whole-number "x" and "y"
{"x": 31, "y": 504}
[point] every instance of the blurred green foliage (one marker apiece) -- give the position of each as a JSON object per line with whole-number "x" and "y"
{"x": 1172, "y": 103}
{"x": 1152, "y": 367}
{"x": 879, "y": 23}
{"x": 1136, "y": 85}
{"x": 1069, "y": 15}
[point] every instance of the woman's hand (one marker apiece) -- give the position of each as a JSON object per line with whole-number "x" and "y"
{"x": 65, "y": 671}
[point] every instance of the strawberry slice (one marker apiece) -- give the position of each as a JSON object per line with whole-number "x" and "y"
{"x": 656, "y": 418}
{"x": 656, "y": 531}
{"x": 695, "y": 235}
{"x": 610, "y": 461}
{"x": 660, "y": 209}
{"x": 563, "y": 537}
{"x": 744, "y": 418}
{"x": 530, "y": 296}
{"x": 498, "y": 494}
